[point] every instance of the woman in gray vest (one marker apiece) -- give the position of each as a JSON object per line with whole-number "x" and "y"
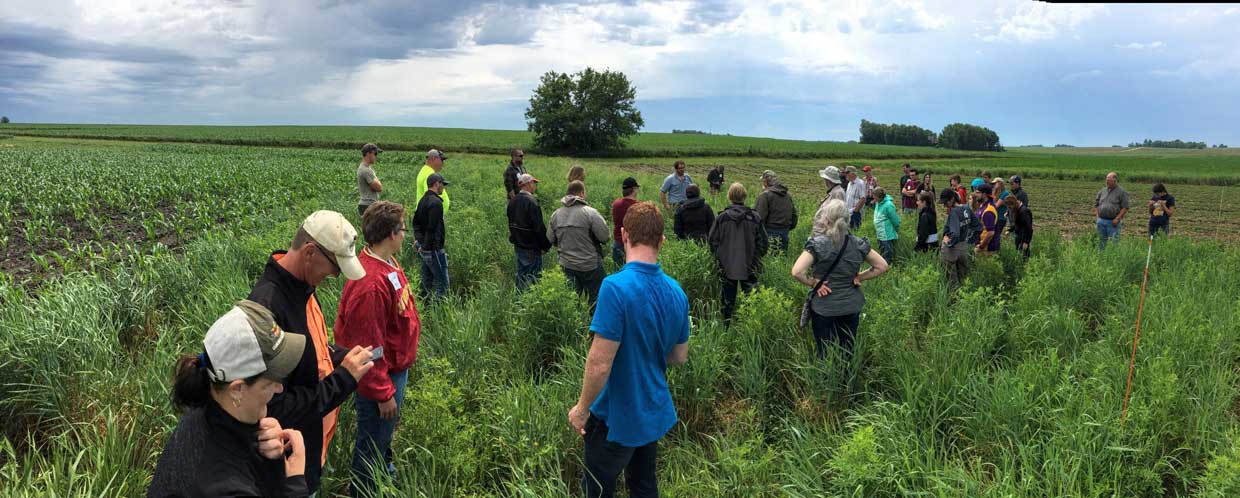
{"x": 835, "y": 258}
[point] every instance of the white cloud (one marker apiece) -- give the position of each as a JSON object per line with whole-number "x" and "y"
{"x": 1203, "y": 69}
{"x": 1141, "y": 46}
{"x": 901, "y": 16}
{"x": 1093, "y": 73}
{"x": 1231, "y": 11}
{"x": 1037, "y": 21}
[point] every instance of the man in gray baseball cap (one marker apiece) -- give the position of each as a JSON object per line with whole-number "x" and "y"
{"x": 434, "y": 164}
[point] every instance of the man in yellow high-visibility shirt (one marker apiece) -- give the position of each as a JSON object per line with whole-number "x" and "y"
{"x": 434, "y": 163}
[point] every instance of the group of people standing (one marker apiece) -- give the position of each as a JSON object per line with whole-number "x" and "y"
{"x": 259, "y": 404}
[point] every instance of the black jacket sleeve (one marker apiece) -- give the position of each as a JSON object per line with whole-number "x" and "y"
{"x": 925, "y": 227}
{"x": 540, "y": 227}
{"x": 510, "y": 179}
{"x": 761, "y": 243}
{"x": 330, "y": 392}
{"x": 433, "y": 226}
{"x": 678, "y": 223}
{"x": 295, "y": 487}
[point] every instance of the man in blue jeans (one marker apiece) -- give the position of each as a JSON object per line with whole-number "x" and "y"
{"x": 428, "y": 231}
{"x": 1110, "y": 206}
{"x": 378, "y": 310}
{"x": 640, "y": 327}
{"x": 527, "y": 231}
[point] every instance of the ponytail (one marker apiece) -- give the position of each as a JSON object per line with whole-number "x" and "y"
{"x": 191, "y": 385}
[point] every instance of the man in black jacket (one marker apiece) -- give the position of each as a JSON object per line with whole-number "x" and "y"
{"x": 428, "y": 234}
{"x": 694, "y": 218}
{"x": 775, "y": 207}
{"x": 527, "y": 232}
{"x": 739, "y": 242}
{"x": 516, "y": 168}
{"x": 324, "y": 378}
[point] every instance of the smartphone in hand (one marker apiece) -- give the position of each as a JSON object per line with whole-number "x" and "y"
{"x": 376, "y": 353}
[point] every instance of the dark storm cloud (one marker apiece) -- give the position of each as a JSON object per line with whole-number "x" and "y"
{"x": 25, "y": 39}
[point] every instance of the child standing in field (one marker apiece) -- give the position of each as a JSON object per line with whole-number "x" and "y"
{"x": 1162, "y": 206}
{"x": 985, "y": 211}
{"x": 927, "y": 223}
{"x": 886, "y": 223}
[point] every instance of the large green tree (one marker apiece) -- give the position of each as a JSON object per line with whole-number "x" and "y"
{"x": 587, "y": 111}
{"x": 962, "y": 136}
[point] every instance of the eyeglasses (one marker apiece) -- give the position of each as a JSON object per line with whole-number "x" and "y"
{"x": 330, "y": 258}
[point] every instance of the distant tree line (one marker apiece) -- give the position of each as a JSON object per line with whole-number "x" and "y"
{"x": 690, "y": 132}
{"x": 896, "y": 134}
{"x": 1220, "y": 146}
{"x": 1064, "y": 145}
{"x": 4, "y": 120}
{"x": 1169, "y": 144}
{"x": 960, "y": 136}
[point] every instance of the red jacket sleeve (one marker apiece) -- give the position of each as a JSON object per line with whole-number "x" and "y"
{"x": 360, "y": 322}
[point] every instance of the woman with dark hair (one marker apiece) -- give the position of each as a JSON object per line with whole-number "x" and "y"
{"x": 927, "y": 223}
{"x": 1162, "y": 206}
{"x": 223, "y": 444}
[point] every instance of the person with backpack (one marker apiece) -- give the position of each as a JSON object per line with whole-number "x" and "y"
{"x": 831, "y": 266}
{"x": 886, "y": 223}
{"x": 739, "y": 242}
{"x": 958, "y": 236}
{"x": 927, "y": 223}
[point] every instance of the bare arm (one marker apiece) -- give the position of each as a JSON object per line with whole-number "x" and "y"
{"x": 878, "y": 266}
{"x": 1122, "y": 212}
{"x": 376, "y": 185}
{"x": 598, "y": 368}
{"x": 801, "y": 267}
{"x": 679, "y": 354}
{"x": 663, "y": 197}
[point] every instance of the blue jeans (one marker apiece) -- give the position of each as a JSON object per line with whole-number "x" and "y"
{"x": 529, "y": 267}
{"x": 778, "y": 238}
{"x": 617, "y": 253}
{"x": 434, "y": 272}
{"x": 373, "y": 447}
{"x": 887, "y": 249}
{"x": 854, "y": 221}
{"x": 1106, "y": 230}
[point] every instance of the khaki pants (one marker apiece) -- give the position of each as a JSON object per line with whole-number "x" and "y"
{"x": 956, "y": 262}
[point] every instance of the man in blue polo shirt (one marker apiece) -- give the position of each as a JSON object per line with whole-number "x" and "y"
{"x": 641, "y": 326}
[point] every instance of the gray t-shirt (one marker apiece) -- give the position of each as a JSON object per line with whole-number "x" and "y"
{"x": 675, "y": 188}
{"x": 1110, "y": 201}
{"x": 844, "y": 299}
{"x": 365, "y": 195}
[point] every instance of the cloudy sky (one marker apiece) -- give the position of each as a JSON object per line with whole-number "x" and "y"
{"x": 1033, "y": 72}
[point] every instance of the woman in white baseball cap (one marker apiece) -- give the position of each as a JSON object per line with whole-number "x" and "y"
{"x": 223, "y": 444}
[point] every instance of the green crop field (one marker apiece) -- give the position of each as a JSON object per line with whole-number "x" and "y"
{"x": 119, "y": 254}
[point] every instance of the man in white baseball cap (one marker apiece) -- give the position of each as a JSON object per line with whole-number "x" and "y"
{"x": 325, "y": 376}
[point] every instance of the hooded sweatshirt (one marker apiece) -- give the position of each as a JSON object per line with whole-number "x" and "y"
{"x": 775, "y": 207}
{"x": 738, "y": 241}
{"x": 577, "y": 230}
{"x": 886, "y": 219}
{"x": 693, "y": 219}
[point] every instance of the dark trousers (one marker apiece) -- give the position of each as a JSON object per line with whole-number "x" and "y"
{"x": 1164, "y": 228}
{"x": 373, "y": 444}
{"x": 854, "y": 221}
{"x": 729, "y": 294}
{"x": 834, "y": 330}
{"x": 887, "y": 249}
{"x": 529, "y": 267}
{"x": 778, "y": 238}
{"x": 617, "y": 254}
{"x": 434, "y": 273}
{"x": 604, "y": 460}
{"x": 361, "y": 209}
{"x": 586, "y": 282}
